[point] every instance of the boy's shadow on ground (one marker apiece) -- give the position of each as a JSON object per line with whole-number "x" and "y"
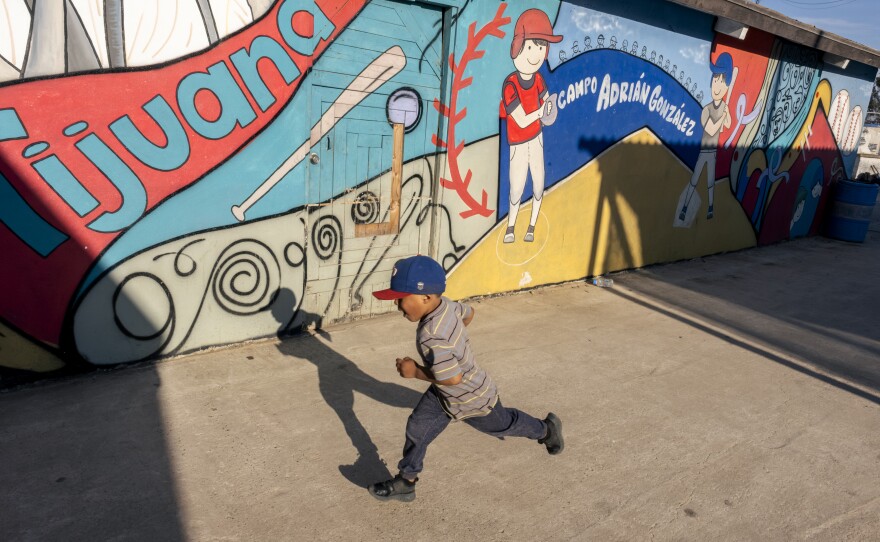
{"x": 338, "y": 379}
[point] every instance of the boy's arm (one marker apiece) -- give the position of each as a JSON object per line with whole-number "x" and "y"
{"x": 469, "y": 318}
{"x": 408, "y": 368}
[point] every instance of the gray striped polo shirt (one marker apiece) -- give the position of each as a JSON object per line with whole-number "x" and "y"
{"x": 445, "y": 349}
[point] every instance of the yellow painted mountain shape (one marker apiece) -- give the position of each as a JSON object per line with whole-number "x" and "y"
{"x": 617, "y": 212}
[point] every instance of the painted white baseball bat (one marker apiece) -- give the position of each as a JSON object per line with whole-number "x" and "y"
{"x": 379, "y": 71}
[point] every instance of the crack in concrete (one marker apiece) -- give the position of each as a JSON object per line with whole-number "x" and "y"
{"x": 830, "y": 522}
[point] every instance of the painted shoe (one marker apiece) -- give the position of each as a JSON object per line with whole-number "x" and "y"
{"x": 530, "y": 235}
{"x": 711, "y": 212}
{"x": 508, "y": 235}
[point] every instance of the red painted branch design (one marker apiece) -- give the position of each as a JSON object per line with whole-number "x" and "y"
{"x": 451, "y": 112}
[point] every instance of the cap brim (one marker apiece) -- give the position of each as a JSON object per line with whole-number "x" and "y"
{"x": 547, "y": 37}
{"x": 389, "y": 294}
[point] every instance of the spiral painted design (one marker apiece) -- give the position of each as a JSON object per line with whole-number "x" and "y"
{"x": 143, "y": 308}
{"x": 327, "y": 236}
{"x": 366, "y": 208}
{"x": 246, "y": 277}
{"x": 294, "y": 254}
{"x": 184, "y": 264}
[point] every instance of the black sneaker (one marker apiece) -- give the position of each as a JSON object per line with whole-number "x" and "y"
{"x": 397, "y": 488}
{"x": 553, "y": 440}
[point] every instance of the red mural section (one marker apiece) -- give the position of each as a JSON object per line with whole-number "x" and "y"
{"x": 814, "y": 165}
{"x": 750, "y": 58}
{"x": 77, "y": 181}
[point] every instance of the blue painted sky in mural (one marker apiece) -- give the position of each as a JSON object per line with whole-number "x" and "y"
{"x": 598, "y": 106}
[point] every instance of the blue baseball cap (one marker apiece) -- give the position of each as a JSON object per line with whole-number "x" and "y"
{"x": 414, "y": 275}
{"x": 723, "y": 65}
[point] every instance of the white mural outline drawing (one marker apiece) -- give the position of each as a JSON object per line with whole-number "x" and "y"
{"x": 743, "y": 119}
{"x": 806, "y": 142}
{"x": 769, "y": 177}
{"x": 377, "y": 73}
{"x": 500, "y": 242}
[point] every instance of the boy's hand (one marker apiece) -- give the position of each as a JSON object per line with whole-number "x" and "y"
{"x": 406, "y": 367}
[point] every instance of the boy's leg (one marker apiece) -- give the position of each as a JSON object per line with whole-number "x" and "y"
{"x": 510, "y": 422}
{"x": 425, "y": 423}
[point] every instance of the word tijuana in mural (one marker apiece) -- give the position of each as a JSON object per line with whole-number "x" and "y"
{"x": 211, "y": 102}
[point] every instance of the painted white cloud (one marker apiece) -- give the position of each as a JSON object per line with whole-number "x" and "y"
{"x": 591, "y": 22}
{"x": 698, "y": 53}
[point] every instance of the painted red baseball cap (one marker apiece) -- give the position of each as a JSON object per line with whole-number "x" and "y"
{"x": 533, "y": 24}
{"x": 414, "y": 275}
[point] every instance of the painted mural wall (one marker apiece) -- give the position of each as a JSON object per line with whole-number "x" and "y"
{"x": 182, "y": 174}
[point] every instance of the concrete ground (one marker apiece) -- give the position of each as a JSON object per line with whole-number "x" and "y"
{"x": 734, "y": 397}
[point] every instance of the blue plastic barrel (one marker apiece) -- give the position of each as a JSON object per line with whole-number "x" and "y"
{"x": 852, "y": 204}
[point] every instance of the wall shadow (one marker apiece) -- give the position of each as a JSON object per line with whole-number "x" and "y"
{"x": 805, "y": 305}
{"x": 339, "y": 379}
{"x": 803, "y": 302}
{"x": 87, "y": 459}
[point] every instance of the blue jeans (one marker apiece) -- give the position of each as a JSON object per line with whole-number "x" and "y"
{"x": 429, "y": 419}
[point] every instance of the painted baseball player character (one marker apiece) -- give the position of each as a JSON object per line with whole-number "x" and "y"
{"x": 524, "y": 101}
{"x": 715, "y": 116}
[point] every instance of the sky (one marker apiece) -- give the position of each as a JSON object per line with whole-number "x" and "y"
{"x": 853, "y": 19}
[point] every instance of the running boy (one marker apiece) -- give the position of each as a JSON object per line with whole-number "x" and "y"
{"x": 460, "y": 390}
